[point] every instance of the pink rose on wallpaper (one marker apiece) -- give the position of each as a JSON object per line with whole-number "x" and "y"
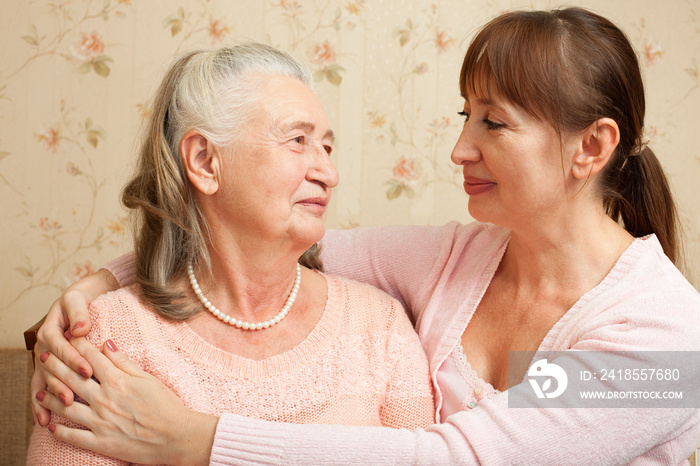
{"x": 89, "y": 46}
{"x": 443, "y": 41}
{"x": 406, "y": 169}
{"x": 323, "y": 54}
{"x": 653, "y": 52}
{"x": 49, "y": 138}
{"x": 218, "y": 30}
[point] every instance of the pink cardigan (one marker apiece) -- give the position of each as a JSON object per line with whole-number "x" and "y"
{"x": 362, "y": 364}
{"x": 440, "y": 274}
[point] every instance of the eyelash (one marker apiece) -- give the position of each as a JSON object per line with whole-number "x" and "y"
{"x": 489, "y": 124}
{"x": 302, "y": 140}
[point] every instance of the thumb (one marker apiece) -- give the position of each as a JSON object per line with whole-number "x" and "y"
{"x": 75, "y": 305}
{"x": 120, "y": 359}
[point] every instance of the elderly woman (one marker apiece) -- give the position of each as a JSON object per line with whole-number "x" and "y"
{"x": 231, "y": 187}
{"x": 573, "y": 250}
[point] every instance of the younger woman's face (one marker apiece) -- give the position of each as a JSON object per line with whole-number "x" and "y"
{"x": 515, "y": 168}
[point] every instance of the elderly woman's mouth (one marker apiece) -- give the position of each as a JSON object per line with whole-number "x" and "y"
{"x": 315, "y": 202}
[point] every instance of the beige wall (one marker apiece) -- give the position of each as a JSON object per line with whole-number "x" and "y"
{"x": 75, "y": 78}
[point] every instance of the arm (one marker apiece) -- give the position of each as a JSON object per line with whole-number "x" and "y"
{"x": 396, "y": 259}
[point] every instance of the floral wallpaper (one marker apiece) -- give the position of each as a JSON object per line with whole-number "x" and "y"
{"x": 76, "y": 76}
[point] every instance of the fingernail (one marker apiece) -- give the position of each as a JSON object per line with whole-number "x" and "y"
{"x": 63, "y": 398}
{"x": 40, "y": 396}
{"x": 79, "y": 325}
{"x": 84, "y": 372}
{"x": 38, "y": 419}
{"x": 52, "y": 428}
{"x": 111, "y": 346}
{"x": 44, "y": 357}
{"x": 68, "y": 335}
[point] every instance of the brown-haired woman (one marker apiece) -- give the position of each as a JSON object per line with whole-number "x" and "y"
{"x": 574, "y": 250}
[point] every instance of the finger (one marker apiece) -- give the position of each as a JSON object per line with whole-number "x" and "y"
{"x": 51, "y": 336}
{"x": 56, "y": 386}
{"x": 40, "y": 413}
{"x": 78, "y": 437}
{"x": 121, "y": 360}
{"x": 56, "y": 368}
{"x": 75, "y": 305}
{"x": 77, "y": 412}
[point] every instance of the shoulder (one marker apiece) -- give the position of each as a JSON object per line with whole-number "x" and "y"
{"x": 123, "y": 316}
{"x": 363, "y": 304}
{"x": 647, "y": 304}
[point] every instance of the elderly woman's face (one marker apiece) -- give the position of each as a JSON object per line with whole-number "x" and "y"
{"x": 277, "y": 178}
{"x": 512, "y": 163}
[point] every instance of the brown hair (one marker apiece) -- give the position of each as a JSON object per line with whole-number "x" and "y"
{"x": 214, "y": 92}
{"x": 570, "y": 67}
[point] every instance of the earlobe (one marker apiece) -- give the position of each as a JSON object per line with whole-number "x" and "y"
{"x": 201, "y": 162}
{"x": 598, "y": 145}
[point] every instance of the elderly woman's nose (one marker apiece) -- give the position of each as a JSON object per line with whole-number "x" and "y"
{"x": 465, "y": 150}
{"x": 323, "y": 169}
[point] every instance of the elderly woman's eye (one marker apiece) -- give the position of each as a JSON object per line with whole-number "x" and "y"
{"x": 328, "y": 149}
{"x": 299, "y": 139}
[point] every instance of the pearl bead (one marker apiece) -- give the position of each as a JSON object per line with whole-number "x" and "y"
{"x": 239, "y": 323}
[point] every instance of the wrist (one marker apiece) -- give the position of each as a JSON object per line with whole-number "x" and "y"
{"x": 193, "y": 440}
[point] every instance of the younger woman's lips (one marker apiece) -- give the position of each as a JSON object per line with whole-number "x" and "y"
{"x": 474, "y": 186}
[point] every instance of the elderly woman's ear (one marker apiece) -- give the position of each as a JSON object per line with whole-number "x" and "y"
{"x": 597, "y": 146}
{"x": 201, "y": 161}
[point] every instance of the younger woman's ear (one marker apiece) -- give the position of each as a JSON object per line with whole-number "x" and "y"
{"x": 598, "y": 144}
{"x": 201, "y": 161}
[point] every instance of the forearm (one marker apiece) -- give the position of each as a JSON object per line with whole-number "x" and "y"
{"x": 123, "y": 269}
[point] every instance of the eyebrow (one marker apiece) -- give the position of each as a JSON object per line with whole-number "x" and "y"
{"x": 309, "y": 128}
{"x": 489, "y": 103}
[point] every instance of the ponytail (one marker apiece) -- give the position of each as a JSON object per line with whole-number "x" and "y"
{"x": 637, "y": 195}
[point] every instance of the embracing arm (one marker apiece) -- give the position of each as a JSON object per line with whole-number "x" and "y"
{"x": 399, "y": 260}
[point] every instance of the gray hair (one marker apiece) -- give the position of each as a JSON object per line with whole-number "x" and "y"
{"x": 213, "y": 92}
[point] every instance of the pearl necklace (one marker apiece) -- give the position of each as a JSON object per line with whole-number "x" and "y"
{"x": 240, "y": 323}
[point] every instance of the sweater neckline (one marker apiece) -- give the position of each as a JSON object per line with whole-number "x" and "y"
{"x": 320, "y": 337}
{"x": 619, "y": 270}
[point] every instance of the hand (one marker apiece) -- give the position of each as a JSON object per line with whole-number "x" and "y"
{"x": 131, "y": 415}
{"x": 69, "y": 311}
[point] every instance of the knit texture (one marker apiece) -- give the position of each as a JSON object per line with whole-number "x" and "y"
{"x": 362, "y": 364}
{"x": 643, "y": 304}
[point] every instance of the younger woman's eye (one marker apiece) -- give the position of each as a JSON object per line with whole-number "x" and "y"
{"x": 464, "y": 114}
{"x": 492, "y": 124}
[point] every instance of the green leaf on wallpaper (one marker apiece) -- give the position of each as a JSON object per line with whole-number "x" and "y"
{"x": 409, "y": 192}
{"x": 333, "y": 77}
{"x": 3, "y": 154}
{"x": 31, "y": 40}
{"x": 99, "y": 64}
{"x": 319, "y": 75}
{"x": 394, "y": 191}
{"x": 85, "y": 67}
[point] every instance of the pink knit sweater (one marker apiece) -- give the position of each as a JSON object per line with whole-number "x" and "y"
{"x": 362, "y": 364}
{"x": 440, "y": 275}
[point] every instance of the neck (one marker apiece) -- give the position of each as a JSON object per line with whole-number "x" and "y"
{"x": 249, "y": 282}
{"x": 573, "y": 253}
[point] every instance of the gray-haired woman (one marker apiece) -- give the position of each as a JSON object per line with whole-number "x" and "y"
{"x": 230, "y": 190}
